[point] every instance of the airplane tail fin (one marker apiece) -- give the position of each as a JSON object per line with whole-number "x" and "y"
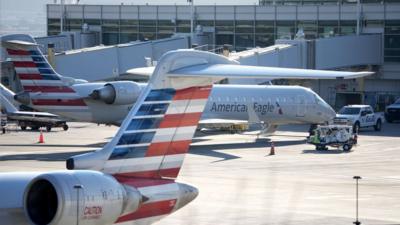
{"x": 31, "y": 66}
{"x": 156, "y": 134}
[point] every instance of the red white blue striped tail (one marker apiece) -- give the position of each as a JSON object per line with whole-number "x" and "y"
{"x": 156, "y": 134}
{"x": 37, "y": 76}
{"x": 159, "y": 134}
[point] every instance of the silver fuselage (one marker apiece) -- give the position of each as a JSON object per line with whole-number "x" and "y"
{"x": 272, "y": 104}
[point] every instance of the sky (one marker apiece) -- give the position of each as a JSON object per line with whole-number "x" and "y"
{"x": 29, "y": 16}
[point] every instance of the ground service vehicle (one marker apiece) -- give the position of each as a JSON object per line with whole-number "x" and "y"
{"x": 359, "y": 116}
{"x": 34, "y": 120}
{"x": 333, "y": 135}
{"x": 392, "y": 111}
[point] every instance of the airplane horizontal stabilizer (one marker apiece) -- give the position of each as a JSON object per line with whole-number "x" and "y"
{"x": 242, "y": 71}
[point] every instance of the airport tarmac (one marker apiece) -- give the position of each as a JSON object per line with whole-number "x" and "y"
{"x": 240, "y": 184}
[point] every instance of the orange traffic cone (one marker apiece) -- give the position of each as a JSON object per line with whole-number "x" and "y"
{"x": 41, "y": 138}
{"x": 272, "y": 151}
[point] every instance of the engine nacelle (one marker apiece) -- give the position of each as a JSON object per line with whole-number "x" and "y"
{"x": 72, "y": 197}
{"x": 117, "y": 93}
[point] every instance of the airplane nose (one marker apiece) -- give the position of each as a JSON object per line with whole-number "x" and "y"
{"x": 331, "y": 114}
{"x": 186, "y": 194}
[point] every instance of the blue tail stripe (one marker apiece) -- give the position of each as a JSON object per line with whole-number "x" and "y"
{"x": 50, "y": 77}
{"x": 47, "y": 71}
{"x": 38, "y": 59}
{"x": 142, "y": 124}
{"x": 35, "y": 52}
{"x": 128, "y": 152}
{"x": 42, "y": 65}
{"x": 136, "y": 138}
{"x": 152, "y": 109}
{"x": 160, "y": 95}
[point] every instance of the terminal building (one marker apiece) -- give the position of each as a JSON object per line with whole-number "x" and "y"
{"x": 366, "y": 35}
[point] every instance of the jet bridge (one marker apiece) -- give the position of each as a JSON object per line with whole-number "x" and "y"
{"x": 325, "y": 53}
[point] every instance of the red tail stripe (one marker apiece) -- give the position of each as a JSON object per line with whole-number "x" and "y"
{"x": 193, "y": 93}
{"x": 168, "y": 148}
{"x": 173, "y": 173}
{"x": 30, "y": 76}
{"x": 149, "y": 210}
{"x": 18, "y": 52}
{"x": 49, "y": 89}
{"x": 138, "y": 183}
{"x": 24, "y": 64}
{"x": 59, "y": 102}
{"x": 180, "y": 120}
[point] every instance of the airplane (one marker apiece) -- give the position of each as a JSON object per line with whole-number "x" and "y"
{"x": 132, "y": 179}
{"x": 35, "y": 120}
{"x": 45, "y": 90}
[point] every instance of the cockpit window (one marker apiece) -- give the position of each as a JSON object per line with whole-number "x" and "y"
{"x": 397, "y": 101}
{"x": 349, "y": 111}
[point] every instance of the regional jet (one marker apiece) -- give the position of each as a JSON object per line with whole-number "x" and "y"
{"x": 131, "y": 180}
{"x": 45, "y": 90}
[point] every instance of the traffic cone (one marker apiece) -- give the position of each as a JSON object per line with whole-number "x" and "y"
{"x": 272, "y": 151}
{"x": 41, "y": 138}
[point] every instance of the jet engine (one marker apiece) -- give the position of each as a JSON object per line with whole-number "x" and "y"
{"x": 117, "y": 93}
{"x": 78, "y": 197}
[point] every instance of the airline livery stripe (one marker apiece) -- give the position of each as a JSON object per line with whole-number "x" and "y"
{"x": 144, "y": 164}
{"x": 17, "y": 52}
{"x": 59, "y": 102}
{"x": 133, "y": 145}
{"x": 138, "y": 183}
{"x": 42, "y": 83}
{"x": 51, "y": 89}
{"x": 171, "y": 172}
{"x": 187, "y": 106}
{"x": 174, "y": 134}
{"x": 180, "y": 120}
{"x": 24, "y": 64}
{"x": 193, "y": 93}
{"x": 150, "y": 209}
{"x": 168, "y": 148}
{"x": 21, "y": 59}
{"x": 30, "y": 76}
{"x": 55, "y": 95}
{"x": 20, "y": 70}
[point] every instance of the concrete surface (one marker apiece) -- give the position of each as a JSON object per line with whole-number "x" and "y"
{"x": 240, "y": 184}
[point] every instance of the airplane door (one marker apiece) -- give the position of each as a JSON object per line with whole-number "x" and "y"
{"x": 301, "y": 106}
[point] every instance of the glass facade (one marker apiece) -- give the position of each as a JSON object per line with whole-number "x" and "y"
{"x": 392, "y": 41}
{"x": 240, "y": 33}
{"x": 322, "y": 2}
{"x": 110, "y": 29}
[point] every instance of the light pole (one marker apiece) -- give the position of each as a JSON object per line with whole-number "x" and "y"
{"x": 191, "y": 19}
{"x": 357, "y": 178}
{"x": 77, "y": 187}
{"x": 61, "y": 16}
{"x": 358, "y": 16}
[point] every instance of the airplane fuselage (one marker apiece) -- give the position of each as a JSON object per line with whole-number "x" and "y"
{"x": 270, "y": 104}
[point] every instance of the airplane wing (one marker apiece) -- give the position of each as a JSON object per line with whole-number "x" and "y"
{"x": 254, "y": 72}
{"x": 242, "y": 71}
